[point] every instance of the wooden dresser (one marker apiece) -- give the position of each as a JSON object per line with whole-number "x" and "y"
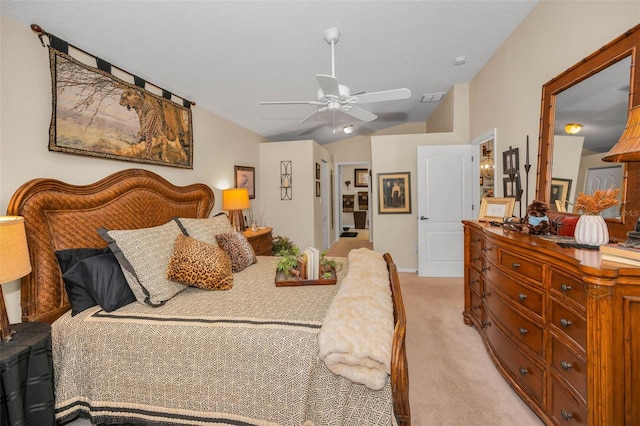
{"x": 260, "y": 241}
{"x": 561, "y": 325}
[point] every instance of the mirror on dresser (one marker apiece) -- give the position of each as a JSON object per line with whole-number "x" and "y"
{"x": 597, "y": 93}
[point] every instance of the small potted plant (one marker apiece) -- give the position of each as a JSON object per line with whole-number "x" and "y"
{"x": 289, "y": 264}
{"x": 329, "y": 268}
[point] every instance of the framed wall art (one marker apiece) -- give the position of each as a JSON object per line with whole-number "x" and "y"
{"x": 560, "y": 190}
{"x": 361, "y": 177}
{"x": 394, "y": 193}
{"x": 510, "y": 161}
{"x": 495, "y": 209}
{"x": 317, "y": 171}
{"x": 317, "y": 188}
{"x": 511, "y": 187}
{"x": 97, "y": 114}
{"x": 347, "y": 203}
{"x": 245, "y": 177}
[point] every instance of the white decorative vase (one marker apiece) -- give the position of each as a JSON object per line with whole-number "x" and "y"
{"x": 591, "y": 230}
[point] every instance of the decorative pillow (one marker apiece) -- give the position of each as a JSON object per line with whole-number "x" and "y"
{"x": 238, "y": 249}
{"x": 143, "y": 255}
{"x": 101, "y": 278}
{"x": 205, "y": 229}
{"x": 69, "y": 257}
{"x": 200, "y": 264}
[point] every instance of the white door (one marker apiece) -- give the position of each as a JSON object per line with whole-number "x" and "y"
{"x": 445, "y": 198}
{"x": 324, "y": 199}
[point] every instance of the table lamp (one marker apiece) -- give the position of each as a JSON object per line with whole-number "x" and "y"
{"x": 234, "y": 200}
{"x": 14, "y": 262}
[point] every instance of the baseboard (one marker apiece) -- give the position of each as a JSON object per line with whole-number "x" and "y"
{"x": 415, "y": 271}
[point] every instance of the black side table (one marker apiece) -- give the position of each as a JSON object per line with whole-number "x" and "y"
{"x": 26, "y": 374}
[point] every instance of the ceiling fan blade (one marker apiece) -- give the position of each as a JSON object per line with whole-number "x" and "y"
{"x": 312, "y": 114}
{"x": 329, "y": 85}
{"x": 360, "y": 114}
{"x": 292, "y": 103}
{"x": 385, "y": 95}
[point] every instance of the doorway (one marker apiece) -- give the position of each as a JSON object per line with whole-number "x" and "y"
{"x": 352, "y": 188}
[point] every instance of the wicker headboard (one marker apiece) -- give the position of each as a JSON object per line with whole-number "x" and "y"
{"x": 59, "y": 215}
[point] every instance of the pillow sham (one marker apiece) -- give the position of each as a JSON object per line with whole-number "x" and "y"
{"x": 238, "y": 248}
{"x": 101, "y": 279}
{"x": 205, "y": 229}
{"x": 69, "y": 257}
{"x": 200, "y": 264}
{"x": 143, "y": 255}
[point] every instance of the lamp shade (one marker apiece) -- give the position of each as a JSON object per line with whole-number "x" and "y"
{"x": 235, "y": 199}
{"x": 14, "y": 253}
{"x": 628, "y": 147}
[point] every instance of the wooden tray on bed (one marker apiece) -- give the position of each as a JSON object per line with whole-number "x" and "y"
{"x": 291, "y": 283}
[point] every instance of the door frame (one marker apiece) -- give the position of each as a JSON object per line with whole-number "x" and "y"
{"x": 477, "y": 141}
{"x": 338, "y": 190}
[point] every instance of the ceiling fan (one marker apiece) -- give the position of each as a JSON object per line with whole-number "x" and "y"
{"x": 336, "y": 97}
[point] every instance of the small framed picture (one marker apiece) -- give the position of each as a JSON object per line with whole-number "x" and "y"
{"x": 361, "y": 177}
{"x": 560, "y": 190}
{"x": 317, "y": 188}
{"x": 510, "y": 161}
{"x": 245, "y": 177}
{"x": 347, "y": 203}
{"x": 317, "y": 171}
{"x": 394, "y": 192}
{"x": 511, "y": 187}
{"x": 495, "y": 209}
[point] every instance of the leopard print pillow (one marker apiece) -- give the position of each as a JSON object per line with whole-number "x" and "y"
{"x": 238, "y": 249}
{"x": 200, "y": 264}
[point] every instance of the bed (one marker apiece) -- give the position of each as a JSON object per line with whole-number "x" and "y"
{"x": 246, "y": 356}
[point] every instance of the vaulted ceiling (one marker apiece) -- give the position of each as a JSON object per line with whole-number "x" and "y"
{"x": 228, "y": 56}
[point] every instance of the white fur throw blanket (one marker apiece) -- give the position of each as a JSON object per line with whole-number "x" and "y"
{"x": 357, "y": 333}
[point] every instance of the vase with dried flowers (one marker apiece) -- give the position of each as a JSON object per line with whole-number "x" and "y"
{"x": 591, "y": 228}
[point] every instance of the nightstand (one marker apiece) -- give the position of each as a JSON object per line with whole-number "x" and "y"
{"x": 260, "y": 240}
{"x": 26, "y": 374}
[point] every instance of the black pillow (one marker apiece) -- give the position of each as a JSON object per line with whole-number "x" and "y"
{"x": 101, "y": 279}
{"x": 69, "y": 257}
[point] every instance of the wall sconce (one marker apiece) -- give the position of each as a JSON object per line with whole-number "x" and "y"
{"x": 234, "y": 200}
{"x": 347, "y": 182}
{"x": 572, "y": 128}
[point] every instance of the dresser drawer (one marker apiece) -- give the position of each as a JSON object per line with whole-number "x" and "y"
{"x": 521, "y": 266}
{"x": 475, "y": 259}
{"x": 568, "y": 287}
{"x": 522, "y": 369}
{"x": 514, "y": 291}
{"x": 476, "y": 307}
{"x": 475, "y": 240}
{"x": 474, "y": 280}
{"x": 522, "y": 329}
{"x": 569, "y": 323}
{"x": 569, "y": 366}
{"x": 565, "y": 410}
{"x": 490, "y": 251}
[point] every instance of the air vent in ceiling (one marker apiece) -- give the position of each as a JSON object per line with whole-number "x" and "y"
{"x": 432, "y": 97}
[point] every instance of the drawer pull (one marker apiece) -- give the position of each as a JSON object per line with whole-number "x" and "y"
{"x": 485, "y": 294}
{"x": 476, "y": 240}
{"x": 487, "y": 249}
{"x": 523, "y": 331}
{"x": 475, "y": 280}
{"x": 486, "y": 324}
{"x": 515, "y": 265}
{"x": 485, "y": 268}
{"x": 523, "y": 371}
{"x": 522, "y": 296}
{"x": 476, "y": 307}
{"x": 565, "y": 365}
{"x": 475, "y": 259}
{"x": 565, "y": 287}
{"x": 565, "y": 322}
{"x": 565, "y": 415}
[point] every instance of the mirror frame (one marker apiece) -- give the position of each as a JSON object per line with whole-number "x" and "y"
{"x": 623, "y": 46}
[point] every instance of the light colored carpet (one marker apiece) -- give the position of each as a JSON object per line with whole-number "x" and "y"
{"x": 452, "y": 380}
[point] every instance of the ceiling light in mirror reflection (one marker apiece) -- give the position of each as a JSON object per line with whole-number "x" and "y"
{"x": 572, "y": 128}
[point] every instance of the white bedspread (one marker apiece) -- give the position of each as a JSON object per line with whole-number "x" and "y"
{"x": 356, "y": 336}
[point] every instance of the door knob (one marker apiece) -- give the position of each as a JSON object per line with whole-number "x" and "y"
{"x": 424, "y": 218}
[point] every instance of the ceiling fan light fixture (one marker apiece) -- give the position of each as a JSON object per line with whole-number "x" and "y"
{"x": 628, "y": 147}
{"x": 572, "y": 128}
{"x": 348, "y": 129}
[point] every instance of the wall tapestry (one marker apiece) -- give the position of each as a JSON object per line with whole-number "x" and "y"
{"x": 100, "y": 115}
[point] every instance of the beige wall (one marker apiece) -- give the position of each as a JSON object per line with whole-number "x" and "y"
{"x": 25, "y": 113}
{"x": 569, "y": 150}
